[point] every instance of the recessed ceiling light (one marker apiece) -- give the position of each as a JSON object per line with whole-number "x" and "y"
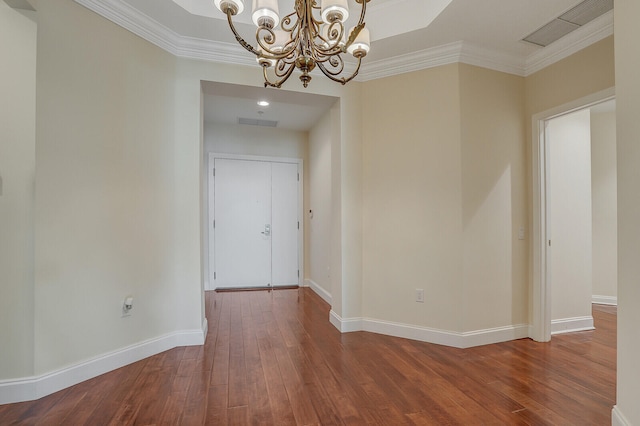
{"x": 263, "y": 103}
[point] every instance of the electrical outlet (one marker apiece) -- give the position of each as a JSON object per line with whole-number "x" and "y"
{"x": 127, "y": 306}
{"x": 420, "y": 295}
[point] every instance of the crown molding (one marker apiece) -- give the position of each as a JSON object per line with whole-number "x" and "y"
{"x": 138, "y": 23}
{"x": 491, "y": 59}
{"x": 124, "y": 15}
{"x": 415, "y": 61}
{"x": 443, "y": 55}
{"x": 596, "y": 30}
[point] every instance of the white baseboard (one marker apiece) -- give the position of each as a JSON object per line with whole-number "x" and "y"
{"x": 569, "y": 325}
{"x": 324, "y": 294}
{"x": 617, "y": 418}
{"x": 345, "y": 325}
{"x": 431, "y": 335}
{"x": 31, "y": 388}
{"x": 604, "y": 300}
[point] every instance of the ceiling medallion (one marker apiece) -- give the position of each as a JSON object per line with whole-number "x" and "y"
{"x": 310, "y": 36}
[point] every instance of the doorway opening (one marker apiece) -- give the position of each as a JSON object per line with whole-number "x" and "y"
{"x": 564, "y": 209}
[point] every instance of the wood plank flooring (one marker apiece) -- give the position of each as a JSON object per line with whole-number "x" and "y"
{"x": 272, "y": 358}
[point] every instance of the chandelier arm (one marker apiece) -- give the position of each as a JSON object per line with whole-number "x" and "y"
{"x": 336, "y": 64}
{"x": 363, "y": 10}
{"x": 286, "y": 22}
{"x": 358, "y": 27}
{"x": 278, "y": 83}
{"x": 239, "y": 39}
{"x": 333, "y": 45}
{"x": 342, "y": 80}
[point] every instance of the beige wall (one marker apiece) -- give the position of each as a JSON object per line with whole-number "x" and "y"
{"x": 412, "y": 188}
{"x": 627, "y": 33}
{"x": 319, "y": 196}
{"x": 583, "y": 73}
{"x": 494, "y": 203}
{"x": 605, "y": 203}
{"x": 17, "y": 170}
{"x": 109, "y": 218}
{"x": 444, "y": 197}
{"x": 569, "y": 215}
{"x": 118, "y": 199}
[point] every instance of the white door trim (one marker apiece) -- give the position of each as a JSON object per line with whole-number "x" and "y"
{"x": 541, "y": 303}
{"x": 210, "y": 213}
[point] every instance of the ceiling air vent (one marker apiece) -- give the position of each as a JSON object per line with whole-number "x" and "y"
{"x": 572, "y": 19}
{"x": 256, "y": 122}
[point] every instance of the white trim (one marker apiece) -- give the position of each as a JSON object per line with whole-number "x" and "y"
{"x": 604, "y": 300}
{"x": 324, "y": 294}
{"x": 415, "y": 61}
{"x": 154, "y": 32}
{"x": 31, "y": 388}
{"x": 596, "y": 30}
{"x": 449, "y": 338}
{"x": 131, "y": 19}
{"x": 431, "y": 335}
{"x": 491, "y": 59}
{"x": 456, "y": 52}
{"x": 541, "y": 300}
{"x": 617, "y": 418}
{"x": 345, "y": 325}
{"x": 569, "y": 325}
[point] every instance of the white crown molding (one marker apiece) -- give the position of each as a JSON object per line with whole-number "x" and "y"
{"x": 443, "y": 55}
{"x": 140, "y": 24}
{"x": 415, "y": 61}
{"x": 596, "y": 30}
{"x": 497, "y": 61}
{"x": 31, "y": 388}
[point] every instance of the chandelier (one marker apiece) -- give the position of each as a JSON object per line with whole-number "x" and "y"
{"x": 310, "y": 36}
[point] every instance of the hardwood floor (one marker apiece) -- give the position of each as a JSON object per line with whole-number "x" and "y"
{"x": 272, "y": 358}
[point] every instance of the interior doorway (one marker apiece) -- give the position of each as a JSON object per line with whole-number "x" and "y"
{"x": 543, "y": 246}
{"x": 255, "y": 218}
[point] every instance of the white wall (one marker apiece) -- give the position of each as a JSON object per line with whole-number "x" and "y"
{"x": 17, "y": 174}
{"x": 254, "y": 140}
{"x": 627, "y": 61}
{"x": 604, "y": 205}
{"x": 569, "y": 147}
{"x": 319, "y": 224}
{"x": 248, "y": 140}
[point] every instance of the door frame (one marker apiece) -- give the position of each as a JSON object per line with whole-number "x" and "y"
{"x": 540, "y": 329}
{"x": 211, "y": 207}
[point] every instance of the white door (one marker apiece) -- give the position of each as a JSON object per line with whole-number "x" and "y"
{"x": 285, "y": 226}
{"x": 256, "y": 228}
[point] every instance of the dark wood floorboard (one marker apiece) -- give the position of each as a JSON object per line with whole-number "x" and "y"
{"x": 272, "y": 358}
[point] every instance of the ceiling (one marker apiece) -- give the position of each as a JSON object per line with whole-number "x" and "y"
{"x": 406, "y": 35}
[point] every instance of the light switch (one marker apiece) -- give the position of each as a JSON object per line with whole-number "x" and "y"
{"x": 521, "y": 233}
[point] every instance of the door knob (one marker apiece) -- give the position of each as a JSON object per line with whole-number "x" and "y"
{"x": 267, "y": 230}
